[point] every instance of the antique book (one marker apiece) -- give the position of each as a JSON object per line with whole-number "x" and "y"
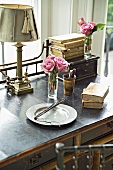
{"x": 68, "y": 45}
{"x": 68, "y": 56}
{"x": 61, "y": 50}
{"x": 71, "y": 53}
{"x": 79, "y": 56}
{"x": 58, "y": 49}
{"x": 67, "y": 38}
{"x": 92, "y": 104}
{"x": 95, "y": 92}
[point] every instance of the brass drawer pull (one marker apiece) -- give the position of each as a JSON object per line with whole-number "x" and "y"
{"x": 35, "y": 159}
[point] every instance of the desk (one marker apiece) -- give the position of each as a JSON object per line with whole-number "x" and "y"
{"x": 25, "y": 145}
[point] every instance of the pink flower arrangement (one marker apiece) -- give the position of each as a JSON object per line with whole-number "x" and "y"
{"x": 54, "y": 64}
{"x": 89, "y": 27}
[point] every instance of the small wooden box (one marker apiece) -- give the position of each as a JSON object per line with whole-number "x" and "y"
{"x": 84, "y": 68}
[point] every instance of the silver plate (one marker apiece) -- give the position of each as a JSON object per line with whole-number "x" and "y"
{"x": 60, "y": 115}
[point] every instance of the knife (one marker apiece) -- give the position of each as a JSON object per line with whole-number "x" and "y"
{"x": 49, "y": 108}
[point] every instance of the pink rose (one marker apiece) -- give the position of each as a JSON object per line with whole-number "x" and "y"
{"x": 81, "y": 21}
{"x": 86, "y": 29}
{"x": 61, "y": 64}
{"x": 52, "y": 57}
{"x": 48, "y": 65}
{"x": 92, "y": 24}
{"x": 89, "y": 27}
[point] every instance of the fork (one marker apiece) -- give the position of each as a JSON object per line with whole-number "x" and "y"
{"x": 49, "y": 121}
{"x": 49, "y": 108}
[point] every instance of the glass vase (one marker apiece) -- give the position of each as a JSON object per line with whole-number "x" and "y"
{"x": 87, "y": 46}
{"x": 52, "y": 85}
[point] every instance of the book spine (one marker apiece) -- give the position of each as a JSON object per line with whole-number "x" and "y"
{"x": 68, "y": 57}
{"x": 92, "y": 105}
{"x": 67, "y": 51}
{"x": 81, "y": 55}
{"x": 68, "y": 45}
{"x": 66, "y": 40}
{"x": 92, "y": 97}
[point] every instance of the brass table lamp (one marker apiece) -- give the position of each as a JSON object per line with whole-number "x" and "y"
{"x": 17, "y": 24}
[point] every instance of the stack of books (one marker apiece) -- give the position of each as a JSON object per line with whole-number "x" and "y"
{"x": 93, "y": 96}
{"x": 68, "y": 46}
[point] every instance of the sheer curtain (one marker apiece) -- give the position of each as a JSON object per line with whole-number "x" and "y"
{"x": 100, "y": 15}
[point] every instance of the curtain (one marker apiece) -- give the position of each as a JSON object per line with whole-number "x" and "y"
{"x": 100, "y": 16}
{"x": 59, "y": 17}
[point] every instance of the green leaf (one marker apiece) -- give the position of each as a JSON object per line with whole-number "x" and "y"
{"x": 99, "y": 26}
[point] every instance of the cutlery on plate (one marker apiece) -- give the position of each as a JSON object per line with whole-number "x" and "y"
{"x": 52, "y": 122}
{"x": 49, "y": 108}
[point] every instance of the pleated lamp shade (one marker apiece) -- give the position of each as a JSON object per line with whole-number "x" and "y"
{"x": 17, "y": 23}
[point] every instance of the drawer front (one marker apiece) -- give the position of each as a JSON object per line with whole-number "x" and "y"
{"x": 96, "y": 132}
{"x": 86, "y": 69}
{"x": 36, "y": 159}
{"x": 109, "y": 165}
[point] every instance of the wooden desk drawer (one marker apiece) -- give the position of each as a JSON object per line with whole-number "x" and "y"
{"x": 36, "y": 159}
{"x": 96, "y": 132}
{"x": 109, "y": 165}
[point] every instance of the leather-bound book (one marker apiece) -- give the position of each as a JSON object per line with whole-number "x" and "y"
{"x": 92, "y": 104}
{"x": 95, "y": 92}
{"x": 70, "y": 44}
{"x": 67, "y": 38}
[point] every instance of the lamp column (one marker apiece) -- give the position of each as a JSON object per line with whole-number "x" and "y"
{"x": 19, "y": 62}
{"x": 20, "y": 86}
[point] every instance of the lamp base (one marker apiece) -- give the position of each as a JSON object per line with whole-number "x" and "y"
{"x": 20, "y": 88}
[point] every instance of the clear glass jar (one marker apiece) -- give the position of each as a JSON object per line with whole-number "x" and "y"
{"x": 87, "y": 46}
{"x": 52, "y": 85}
